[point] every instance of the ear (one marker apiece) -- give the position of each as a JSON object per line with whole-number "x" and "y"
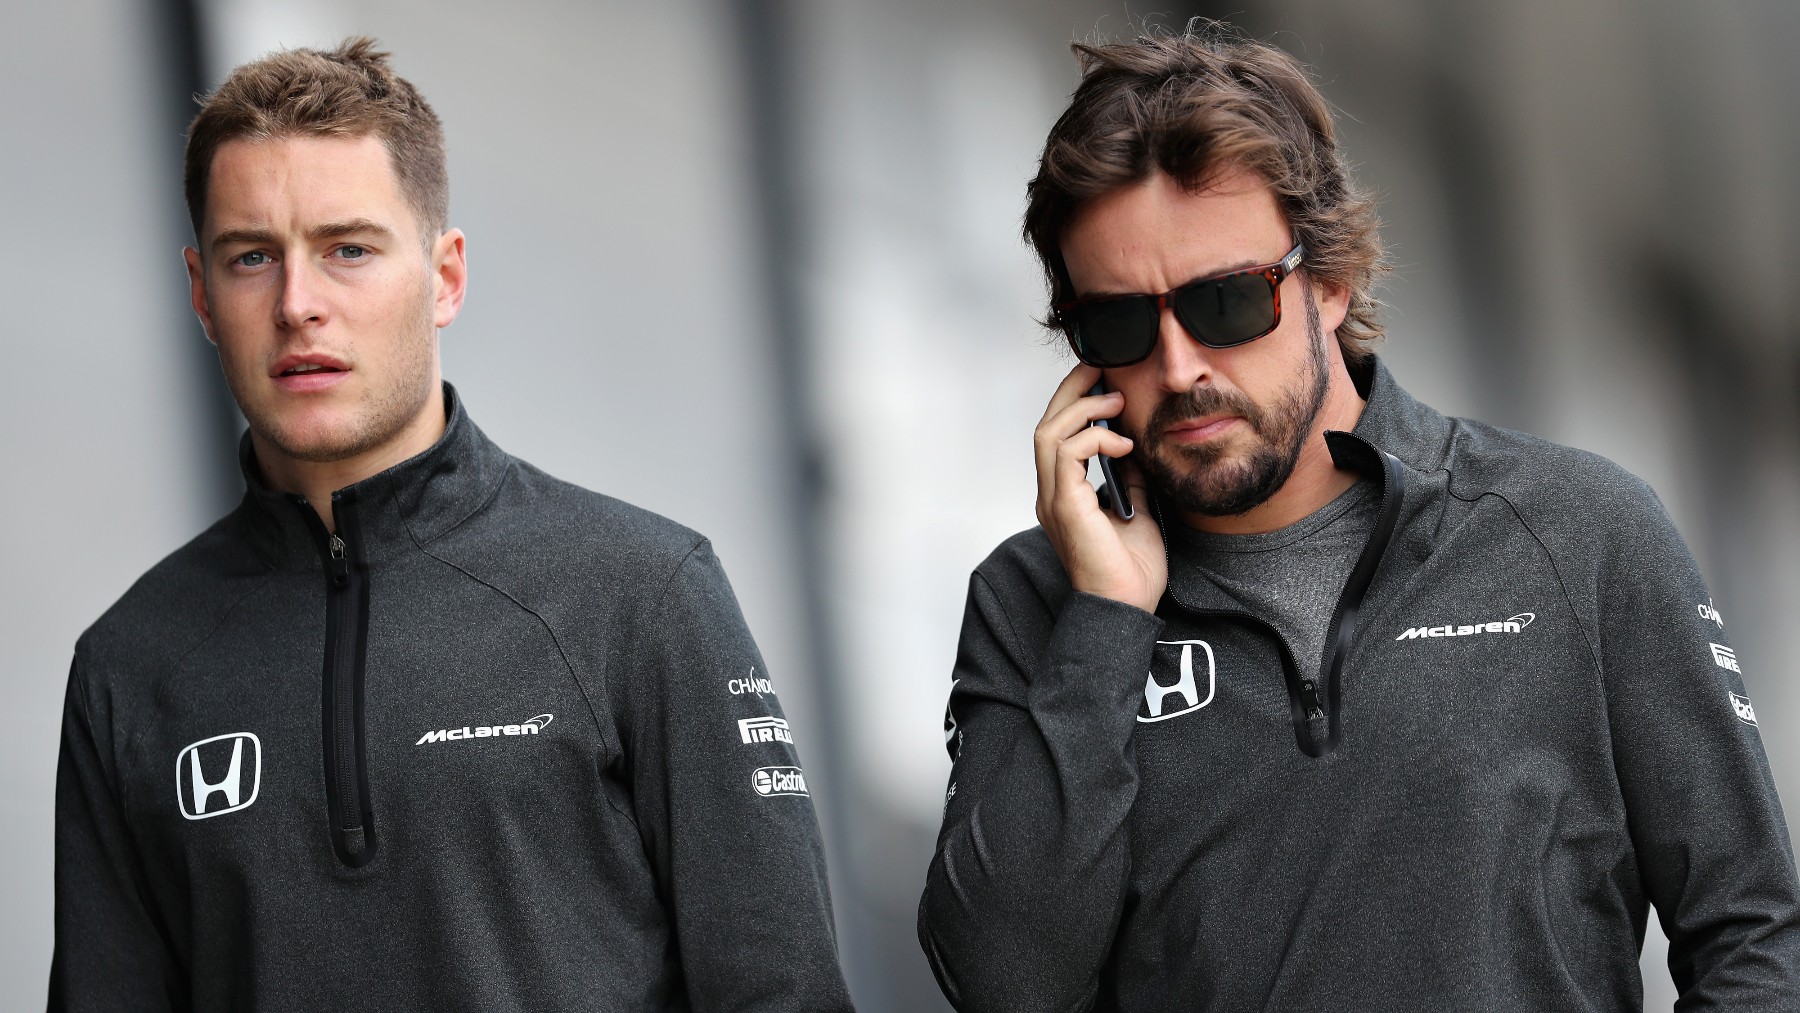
{"x": 196, "y": 271}
{"x": 449, "y": 277}
{"x": 1334, "y": 303}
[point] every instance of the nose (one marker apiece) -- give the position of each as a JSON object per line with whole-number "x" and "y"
{"x": 1181, "y": 362}
{"x": 302, "y": 294}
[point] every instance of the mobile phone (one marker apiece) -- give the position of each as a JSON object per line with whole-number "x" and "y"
{"x": 1110, "y": 489}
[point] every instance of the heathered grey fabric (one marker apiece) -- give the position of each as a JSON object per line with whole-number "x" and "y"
{"x": 1502, "y": 812}
{"x": 622, "y": 859}
{"x": 1291, "y": 577}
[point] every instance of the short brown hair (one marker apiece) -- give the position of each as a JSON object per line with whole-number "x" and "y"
{"x": 1190, "y": 105}
{"x": 347, "y": 92}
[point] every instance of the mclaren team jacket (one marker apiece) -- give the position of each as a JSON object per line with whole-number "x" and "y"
{"x": 499, "y": 744}
{"x": 1528, "y": 726}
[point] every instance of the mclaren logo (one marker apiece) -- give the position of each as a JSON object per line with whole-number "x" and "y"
{"x": 1516, "y": 624}
{"x": 531, "y": 727}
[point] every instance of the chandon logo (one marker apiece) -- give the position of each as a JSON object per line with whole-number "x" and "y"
{"x": 1513, "y": 625}
{"x": 531, "y": 727}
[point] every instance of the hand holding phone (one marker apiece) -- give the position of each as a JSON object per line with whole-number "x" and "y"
{"x": 1110, "y": 489}
{"x": 1101, "y": 549}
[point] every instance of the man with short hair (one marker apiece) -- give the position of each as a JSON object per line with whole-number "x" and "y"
{"x": 1366, "y": 708}
{"x": 416, "y": 726}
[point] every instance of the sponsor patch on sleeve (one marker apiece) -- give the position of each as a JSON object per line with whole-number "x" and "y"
{"x": 1745, "y": 712}
{"x": 770, "y": 781}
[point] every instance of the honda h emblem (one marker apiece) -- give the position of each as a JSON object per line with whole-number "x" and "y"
{"x": 1185, "y": 689}
{"x": 218, "y": 775}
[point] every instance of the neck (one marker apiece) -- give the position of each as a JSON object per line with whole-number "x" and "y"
{"x": 317, "y": 480}
{"x": 1316, "y": 479}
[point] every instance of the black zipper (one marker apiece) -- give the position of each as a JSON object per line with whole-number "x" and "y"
{"x": 349, "y": 811}
{"x": 1305, "y": 706}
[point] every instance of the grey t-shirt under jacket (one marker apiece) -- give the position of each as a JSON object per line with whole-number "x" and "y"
{"x": 1524, "y": 729}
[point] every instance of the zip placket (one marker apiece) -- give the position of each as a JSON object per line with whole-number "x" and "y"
{"x": 1304, "y": 702}
{"x": 349, "y": 809}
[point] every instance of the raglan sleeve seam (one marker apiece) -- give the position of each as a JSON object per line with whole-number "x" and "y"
{"x": 1013, "y": 641}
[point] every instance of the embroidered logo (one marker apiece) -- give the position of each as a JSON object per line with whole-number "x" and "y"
{"x": 1745, "y": 712}
{"x": 1185, "y": 688}
{"x": 1725, "y": 657}
{"x": 751, "y": 683}
{"x": 528, "y": 727}
{"x": 1516, "y": 624}
{"x": 778, "y": 781}
{"x": 770, "y": 729}
{"x": 196, "y": 790}
{"x": 1711, "y": 614}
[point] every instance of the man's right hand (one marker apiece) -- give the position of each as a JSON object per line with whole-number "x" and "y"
{"x": 1105, "y": 556}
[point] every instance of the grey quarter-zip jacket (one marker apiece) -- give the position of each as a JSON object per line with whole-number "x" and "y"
{"x": 1527, "y": 728}
{"x": 498, "y": 743}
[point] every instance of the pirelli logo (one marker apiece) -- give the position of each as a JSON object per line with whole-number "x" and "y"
{"x": 769, "y": 729}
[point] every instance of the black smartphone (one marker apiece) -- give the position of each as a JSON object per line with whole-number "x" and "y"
{"x": 1110, "y": 489}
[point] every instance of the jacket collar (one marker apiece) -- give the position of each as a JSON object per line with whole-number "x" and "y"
{"x": 400, "y": 508}
{"x": 1396, "y": 422}
{"x": 1393, "y": 422}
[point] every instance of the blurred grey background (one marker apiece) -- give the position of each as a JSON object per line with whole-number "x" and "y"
{"x": 754, "y": 264}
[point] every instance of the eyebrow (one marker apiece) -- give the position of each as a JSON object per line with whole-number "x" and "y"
{"x": 1239, "y": 266}
{"x": 260, "y": 235}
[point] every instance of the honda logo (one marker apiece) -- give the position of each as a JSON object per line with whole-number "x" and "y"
{"x": 1186, "y": 687}
{"x": 215, "y": 767}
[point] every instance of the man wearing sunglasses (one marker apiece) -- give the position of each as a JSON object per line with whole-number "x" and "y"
{"x": 1366, "y": 708}
{"x": 416, "y": 726}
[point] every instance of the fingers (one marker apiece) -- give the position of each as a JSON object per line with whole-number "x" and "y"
{"x": 1071, "y": 416}
{"x": 1080, "y": 380}
{"x": 1062, "y": 462}
{"x": 1132, "y": 478}
{"x": 1071, "y": 490}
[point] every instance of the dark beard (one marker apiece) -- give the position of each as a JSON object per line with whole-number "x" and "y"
{"x": 1203, "y": 480}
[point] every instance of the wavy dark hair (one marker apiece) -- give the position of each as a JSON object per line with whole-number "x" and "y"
{"x": 1190, "y": 105}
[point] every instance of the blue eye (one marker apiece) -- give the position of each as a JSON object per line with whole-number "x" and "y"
{"x": 352, "y": 252}
{"x": 255, "y": 258}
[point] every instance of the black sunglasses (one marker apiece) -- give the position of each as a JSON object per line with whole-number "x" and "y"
{"x": 1221, "y": 311}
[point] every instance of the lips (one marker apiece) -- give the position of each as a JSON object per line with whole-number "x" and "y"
{"x": 1191, "y": 430}
{"x": 309, "y": 372}
{"x": 308, "y": 364}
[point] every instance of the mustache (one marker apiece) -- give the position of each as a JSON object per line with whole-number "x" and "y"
{"x": 1196, "y": 402}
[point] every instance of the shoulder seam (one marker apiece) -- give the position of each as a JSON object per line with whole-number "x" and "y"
{"x": 1012, "y": 633}
{"x": 493, "y": 494}
{"x": 1555, "y": 566}
{"x": 580, "y": 687}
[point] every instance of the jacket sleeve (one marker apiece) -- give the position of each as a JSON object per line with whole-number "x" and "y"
{"x": 722, "y": 804}
{"x": 1713, "y": 850}
{"x": 109, "y": 952}
{"x": 1023, "y": 898}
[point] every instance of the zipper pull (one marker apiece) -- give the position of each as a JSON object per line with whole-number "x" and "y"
{"x": 1309, "y": 699}
{"x": 338, "y": 566}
